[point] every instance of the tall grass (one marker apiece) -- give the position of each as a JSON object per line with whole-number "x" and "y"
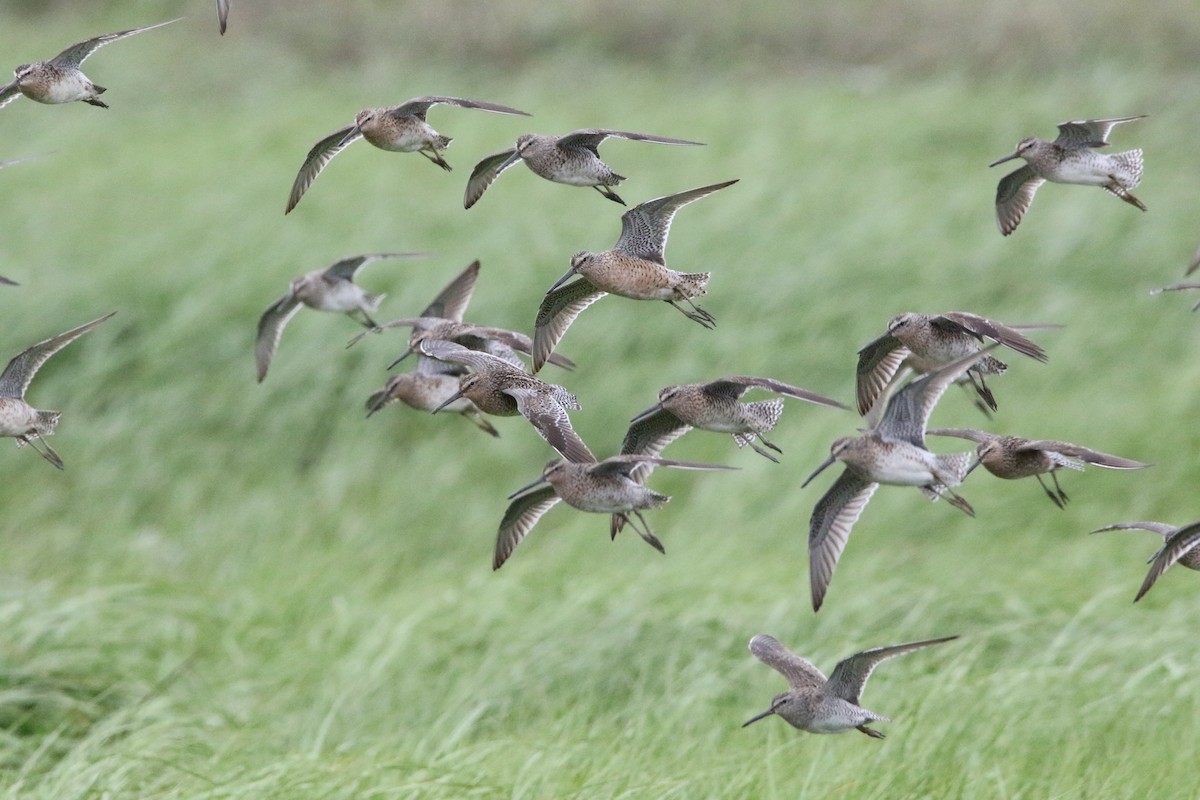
{"x": 240, "y": 590}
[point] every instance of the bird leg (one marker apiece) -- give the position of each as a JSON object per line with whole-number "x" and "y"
{"x": 874, "y": 734}
{"x": 645, "y": 531}
{"x": 436, "y": 157}
{"x": 46, "y": 451}
{"x": 697, "y": 314}
{"x": 981, "y": 388}
{"x": 763, "y": 452}
{"x": 609, "y": 193}
{"x": 1123, "y": 193}
{"x": 1058, "y": 496}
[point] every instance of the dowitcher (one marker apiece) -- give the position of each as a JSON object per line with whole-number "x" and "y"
{"x": 1013, "y": 457}
{"x": 20, "y": 420}
{"x": 818, "y": 704}
{"x": 605, "y": 487}
{"x": 400, "y": 129}
{"x": 443, "y": 320}
{"x": 573, "y": 159}
{"x": 330, "y": 289}
{"x": 222, "y": 15}
{"x": 892, "y": 452}
{"x": 924, "y": 342}
{"x": 1071, "y": 158}
{"x": 1179, "y": 544}
{"x": 60, "y": 80}
{"x": 497, "y": 387}
{"x": 1179, "y": 287}
{"x": 715, "y": 406}
{"x": 432, "y": 386}
{"x": 635, "y": 267}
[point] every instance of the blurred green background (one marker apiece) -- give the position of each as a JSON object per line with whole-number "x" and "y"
{"x": 240, "y": 590}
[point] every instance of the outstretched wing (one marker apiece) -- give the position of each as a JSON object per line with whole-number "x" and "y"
{"x": 76, "y": 54}
{"x": 1014, "y": 194}
{"x": 908, "y": 410}
{"x": 550, "y": 419}
{"x": 485, "y": 172}
{"x": 850, "y": 675}
{"x": 419, "y": 106}
{"x": 222, "y": 15}
{"x": 1161, "y": 528}
{"x": 452, "y": 302}
{"x": 21, "y": 369}
{"x": 321, "y": 154}
{"x": 558, "y": 310}
{"x": 270, "y": 328}
{"x": 800, "y": 672}
{"x": 1083, "y": 453}
{"x": 348, "y": 267}
{"x": 1182, "y": 541}
{"x": 519, "y": 518}
{"x": 9, "y": 92}
{"x": 734, "y": 386}
{"x": 592, "y": 137}
{"x": 963, "y": 433}
{"x": 1008, "y": 336}
{"x": 644, "y": 228}
{"x": 1089, "y": 132}
{"x": 829, "y": 529}
{"x": 878, "y": 361}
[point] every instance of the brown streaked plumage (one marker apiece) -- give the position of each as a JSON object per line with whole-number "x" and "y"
{"x": 892, "y": 451}
{"x": 1014, "y": 457}
{"x": 60, "y": 80}
{"x": 329, "y": 289}
{"x": 573, "y": 159}
{"x": 497, "y": 387}
{"x": 818, "y": 704}
{"x": 1179, "y": 545}
{"x": 924, "y": 342}
{"x": 605, "y": 487}
{"x": 399, "y": 129}
{"x": 715, "y": 406}
{"x": 1071, "y": 158}
{"x": 20, "y": 420}
{"x": 635, "y": 267}
{"x": 432, "y": 386}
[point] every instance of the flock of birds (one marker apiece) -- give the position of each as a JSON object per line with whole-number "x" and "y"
{"x": 477, "y": 371}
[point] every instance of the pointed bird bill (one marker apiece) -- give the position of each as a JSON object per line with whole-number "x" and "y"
{"x": 456, "y": 396}
{"x": 826, "y": 464}
{"x": 527, "y": 487}
{"x": 566, "y": 277}
{"x": 654, "y": 409}
{"x": 1008, "y": 157}
{"x": 774, "y": 707}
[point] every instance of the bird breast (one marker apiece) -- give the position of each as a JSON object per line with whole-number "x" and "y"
{"x": 18, "y": 418}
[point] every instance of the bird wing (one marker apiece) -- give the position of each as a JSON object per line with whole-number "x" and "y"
{"x": 908, "y": 410}
{"x": 651, "y": 434}
{"x": 644, "y": 227}
{"x": 486, "y": 171}
{"x": 558, "y": 310}
{"x": 850, "y": 675}
{"x": 592, "y": 137}
{"x": 270, "y": 328}
{"x": 321, "y": 154}
{"x": 550, "y": 419}
{"x": 419, "y": 106}
{"x": 963, "y": 433}
{"x": 477, "y": 360}
{"x": 1013, "y": 196}
{"x": 222, "y": 15}
{"x": 878, "y": 361}
{"x": 20, "y": 370}
{"x": 981, "y": 326}
{"x": 348, "y": 267}
{"x": 1181, "y": 542}
{"x": 76, "y": 54}
{"x": 519, "y": 518}
{"x": 452, "y": 302}
{"x": 734, "y": 386}
{"x": 1161, "y": 528}
{"x": 625, "y": 464}
{"x": 829, "y": 529}
{"x": 9, "y": 92}
{"x": 1089, "y": 132}
{"x": 800, "y": 672}
{"x": 1084, "y": 453}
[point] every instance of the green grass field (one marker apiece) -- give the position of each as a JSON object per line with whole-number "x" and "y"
{"x": 250, "y": 591}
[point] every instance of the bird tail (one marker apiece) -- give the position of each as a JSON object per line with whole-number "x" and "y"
{"x": 766, "y": 413}
{"x": 989, "y": 365}
{"x": 955, "y": 466}
{"x": 372, "y": 302}
{"x": 442, "y": 142}
{"x": 1131, "y": 162}
{"x": 693, "y": 284}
